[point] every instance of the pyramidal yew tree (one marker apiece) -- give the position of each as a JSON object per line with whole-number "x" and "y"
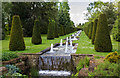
{"x": 56, "y": 30}
{"x": 88, "y": 27}
{"x": 102, "y": 38}
{"x": 90, "y": 30}
{"x": 16, "y": 37}
{"x": 51, "y": 25}
{"x": 94, "y": 30}
{"x": 61, "y": 30}
{"x": 36, "y": 36}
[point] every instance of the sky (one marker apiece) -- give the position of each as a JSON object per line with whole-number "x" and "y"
{"x": 78, "y": 7}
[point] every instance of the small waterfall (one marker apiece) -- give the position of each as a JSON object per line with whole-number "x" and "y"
{"x": 55, "y": 63}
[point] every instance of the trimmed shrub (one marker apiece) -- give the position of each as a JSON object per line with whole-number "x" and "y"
{"x": 51, "y": 25}
{"x": 85, "y": 28}
{"x": 64, "y": 30}
{"x": 36, "y": 37}
{"x": 16, "y": 38}
{"x": 90, "y": 30}
{"x": 56, "y": 30}
{"x": 87, "y": 31}
{"x": 61, "y": 31}
{"x": 102, "y": 38}
{"x": 67, "y": 29}
{"x": 94, "y": 30}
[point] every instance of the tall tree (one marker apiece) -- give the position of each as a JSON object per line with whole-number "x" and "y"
{"x": 110, "y": 12}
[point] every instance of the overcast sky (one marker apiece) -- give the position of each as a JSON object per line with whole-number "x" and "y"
{"x": 78, "y": 7}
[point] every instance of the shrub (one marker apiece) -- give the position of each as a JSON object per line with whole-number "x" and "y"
{"x": 116, "y": 31}
{"x": 113, "y": 57}
{"x": 34, "y": 71}
{"x": 83, "y": 62}
{"x": 13, "y": 71}
{"x": 106, "y": 69}
{"x": 3, "y": 34}
{"x": 67, "y": 29}
{"x": 51, "y": 25}
{"x": 90, "y": 30}
{"x": 85, "y": 30}
{"x": 61, "y": 31}
{"x": 8, "y": 55}
{"x": 102, "y": 38}
{"x": 56, "y": 30}
{"x": 16, "y": 38}
{"x": 94, "y": 30}
{"x": 36, "y": 37}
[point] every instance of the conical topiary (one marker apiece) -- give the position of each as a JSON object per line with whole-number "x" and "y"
{"x": 90, "y": 30}
{"x": 56, "y": 30}
{"x": 94, "y": 30}
{"x": 102, "y": 38}
{"x": 61, "y": 31}
{"x": 87, "y": 31}
{"x": 16, "y": 38}
{"x": 50, "y": 33}
{"x": 36, "y": 36}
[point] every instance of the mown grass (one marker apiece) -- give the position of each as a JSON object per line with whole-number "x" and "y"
{"x": 85, "y": 46}
{"x": 31, "y": 48}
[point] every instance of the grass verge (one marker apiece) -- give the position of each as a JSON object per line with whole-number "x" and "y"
{"x": 85, "y": 46}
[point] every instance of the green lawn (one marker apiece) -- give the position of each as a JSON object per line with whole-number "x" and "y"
{"x": 31, "y": 48}
{"x": 85, "y": 46}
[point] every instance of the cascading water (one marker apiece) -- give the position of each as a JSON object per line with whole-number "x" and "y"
{"x": 55, "y": 63}
{"x": 58, "y": 62}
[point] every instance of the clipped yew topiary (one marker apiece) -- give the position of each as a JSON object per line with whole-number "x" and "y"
{"x": 50, "y": 33}
{"x": 87, "y": 31}
{"x": 16, "y": 37}
{"x": 94, "y": 30}
{"x": 61, "y": 31}
{"x": 56, "y": 30}
{"x": 90, "y": 30}
{"x": 36, "y": 36}
{"x": 102, "y": 38}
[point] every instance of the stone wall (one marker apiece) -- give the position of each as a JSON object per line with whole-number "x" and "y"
{"x": 28, "y": 60}
{"x": 76, "y": 57}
